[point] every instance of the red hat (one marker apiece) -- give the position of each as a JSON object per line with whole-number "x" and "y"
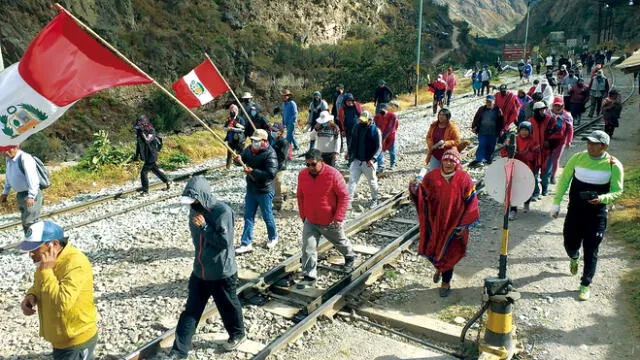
{"x": 453, "y": 155}
{"x": 558, "y": 100}
{"x": 7, "y": 147}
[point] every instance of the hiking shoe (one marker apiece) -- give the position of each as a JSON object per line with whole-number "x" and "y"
{"x": 272, "y": 243}
{"x": 234, "y": 342}
{"x": 584, "y": 293}
{"x": 436, "y": 277}
{"x": 526, "y": 207}
{"x": 573, "y": 266}
{"x": 513, "y": 215}
{"x": 545, "y": 192}
{"x": 244, "y": 249}
{"x": 474, "y": 163}
{"x": 307, "y": 281}
{"x": 444, "y": 292}
{"x": 535, "y": 198}
{"x": 349, "y": 261}
{"x": 373, "y": 203}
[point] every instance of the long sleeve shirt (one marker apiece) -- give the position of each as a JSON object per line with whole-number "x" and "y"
{"x": 583, "y": 167}
{"x": 289, "y": 112}
{"x": 20, "y": 181}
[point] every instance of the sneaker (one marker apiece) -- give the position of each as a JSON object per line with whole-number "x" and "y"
{"x": 535, "y": 198}
{"x": 272, "y": 243}
{"x": 474, "y": 163}
{"x": 436, "y": 277}
{"x": 307, "y": 281}
{"x": 173, "y": 355}
{"x": 380, "y": 170}
{"x": 373, "y": 203}
{"x": 444, "y": 292}
{"x": 545, "y": 192}
{"x": 349, "y": 261}
{"x": 513, "y": 215}
{"x": 234, "y": 342}
{"x": 526, "y": 207}
{"x": 244, "y": 249}
{"x": 573, "y": 266}
{"x": 584, "y": 293}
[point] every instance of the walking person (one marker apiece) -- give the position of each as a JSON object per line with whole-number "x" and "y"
{"x": 261, "y": 168}
{"x": 382, "y": 95}
{"x": 447, "y": 206}
{"x": 147, "y": 147}
{"x": 258, "y": 120}
{"x": 611, "y": 110}
{"x": 476, "y": 82}
{"x": 560, "y": 114}
{"x": 316, "y": 106}
{"x": 439, "y": 90}
{"x": 337, "y": 100}
{"x": 215, "y": 273}
{"x": 290, "y": 117}
{"x": 323, "y": 200}
{"x": 365, "y": 147}
{"x": 247, "y": 102}
{"x": 235, "y": 137}
{"x": 509, "y": 104}
{"x": 387, "y": 122}
{"x": 566, "y": 85}
{"x": 546, "y": 90}
{"x": 327, "y": 138}
{"x": 527, "y": 149}
{"x": 21, "y": 175}
{"x": 598, "y": 89}
{"x": 443, "y": 134}
{"x": 578, "y": 97}
{"x": 348, "y": 117}
{"x": 488, "y": 124}
{"x": 281, "y": 147}
{"x": 549, "y": 132}
{"x": 594, "y": 179}
{"x": 485, "y": 77}
{"x": 527, "y": 71}
{"x": 451, "y": 80}
{"x": 62, "y": 292}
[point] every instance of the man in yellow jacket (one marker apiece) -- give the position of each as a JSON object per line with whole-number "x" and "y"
{"x": 62, "y": 292}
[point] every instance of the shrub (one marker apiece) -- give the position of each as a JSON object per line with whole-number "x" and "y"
{"x": 174, "y": 161}
{"x": 101, "y": 153}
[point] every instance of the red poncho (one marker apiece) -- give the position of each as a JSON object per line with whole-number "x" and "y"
{"x": 510, "y": 107}
{"x": 442, "y": 208}
{"x": 388, "y": 125}
{"x": 527, "y": 151}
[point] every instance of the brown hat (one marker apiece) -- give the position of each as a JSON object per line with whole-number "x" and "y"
{"x": 286, "y": 92}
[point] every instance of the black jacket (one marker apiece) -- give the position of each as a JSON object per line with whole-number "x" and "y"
{"x": 259, "y": 121}
{"x": 213, "y": 242}
{"x": 146, "y": 150}
{"x": 281, "y": 147}
{"x": 265, "y": 167}
{"x": 382, "y": 95}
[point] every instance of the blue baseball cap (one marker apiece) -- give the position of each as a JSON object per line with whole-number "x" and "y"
{"x": 491, "y": 98}
{"x": 39, "y": 234}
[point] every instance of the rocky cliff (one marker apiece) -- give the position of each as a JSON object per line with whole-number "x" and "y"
{"x": 489, "y": 18}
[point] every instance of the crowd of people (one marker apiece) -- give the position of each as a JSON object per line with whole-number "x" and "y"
{"x": 444, "y": 196}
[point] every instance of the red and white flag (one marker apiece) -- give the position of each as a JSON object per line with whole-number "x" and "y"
{"x": 61, "y": 65}
{"x": 200, "y": 85}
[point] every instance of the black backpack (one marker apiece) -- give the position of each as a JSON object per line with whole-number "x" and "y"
{"x": 157, "y": 143}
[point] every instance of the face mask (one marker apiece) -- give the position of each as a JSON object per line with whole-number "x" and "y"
{"x": 256, "y": 145}
{"x": 232, "y": 114}
{"x": 503, "y": 92}
{"x": 253, "y": 113}
{"x": 197, "y": 207}
{"x": 273, "y": 135}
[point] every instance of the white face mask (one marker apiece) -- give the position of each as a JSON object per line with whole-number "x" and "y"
{"x": 256, "y": 144}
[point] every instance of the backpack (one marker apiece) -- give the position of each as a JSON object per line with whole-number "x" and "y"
{"x": 43, "y": 172}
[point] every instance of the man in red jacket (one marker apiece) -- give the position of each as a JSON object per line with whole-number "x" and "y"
{"x": 323, "y": 200}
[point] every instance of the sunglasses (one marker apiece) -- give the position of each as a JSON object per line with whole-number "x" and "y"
{"x": 311, "y": 164}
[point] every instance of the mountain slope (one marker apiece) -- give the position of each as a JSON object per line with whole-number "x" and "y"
{"x": 489, "y": 18}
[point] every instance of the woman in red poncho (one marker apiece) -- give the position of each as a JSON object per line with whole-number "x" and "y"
{"x": 447, "y": 206}
{"x": 439, "y": 90}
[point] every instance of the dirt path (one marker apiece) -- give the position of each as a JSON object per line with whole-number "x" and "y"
{"x": 550, "y": 320}
{"x": 454, "y": 41}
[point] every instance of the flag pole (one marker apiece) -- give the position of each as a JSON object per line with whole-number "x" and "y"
{"x": 244, "y": 111}
{"x": 162, "y": 88}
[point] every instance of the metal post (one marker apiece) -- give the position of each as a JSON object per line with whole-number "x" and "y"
{"x": 526, "y": 32}
{"x": 420, "y": 3}
{"x": 1, "y": 61}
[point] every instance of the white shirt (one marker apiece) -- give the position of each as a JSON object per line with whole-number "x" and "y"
{"x": 17, "y": 180}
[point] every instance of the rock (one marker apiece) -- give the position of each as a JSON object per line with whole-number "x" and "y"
{"x": 459, "y": 320}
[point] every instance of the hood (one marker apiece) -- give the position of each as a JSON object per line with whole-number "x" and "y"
{"x": 198, "y": 188}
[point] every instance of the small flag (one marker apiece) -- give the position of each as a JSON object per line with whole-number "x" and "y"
{"x": 200, "y": 85}
{"x": 61, "y": 65}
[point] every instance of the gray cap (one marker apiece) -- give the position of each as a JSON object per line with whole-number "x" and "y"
{"x": 598, "y": 136}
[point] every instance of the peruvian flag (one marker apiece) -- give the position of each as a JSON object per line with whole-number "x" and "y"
{"x": 200, "y": 85}
{"x": 61, "y": 65}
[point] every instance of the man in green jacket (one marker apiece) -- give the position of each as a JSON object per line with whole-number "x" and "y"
{"x": 215, "y": 273}
{"x": 596, "y": 180}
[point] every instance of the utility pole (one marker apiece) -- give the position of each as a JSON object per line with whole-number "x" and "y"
{"x": 526, "y": 33}
{"x": 420, "y": 3}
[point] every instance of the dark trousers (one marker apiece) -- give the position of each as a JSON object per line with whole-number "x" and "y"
{"x": 596, "y": 105}
{"x": 144, "y": 175}
{"x": 485, "y": 84}
{"x": 584, "y": 228}
{"x": 447, "y": 276}
{"x": 608, "y": 128}
{"x": 79, "y": 352}
{"x": 227, "y": 302}
{"x": 328, "y": 159}
{"x": 449, "y": 94}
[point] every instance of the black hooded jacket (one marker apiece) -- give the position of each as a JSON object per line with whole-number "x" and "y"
{"x": 213, "y": 241}
{"x": 265, "y": 167}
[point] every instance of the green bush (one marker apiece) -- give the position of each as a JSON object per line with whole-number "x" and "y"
{"x": 167, "y": 116}
{"x": 174, "y": 161}
{"x": 102, "y": 153}
{"x": 45, "y": 147}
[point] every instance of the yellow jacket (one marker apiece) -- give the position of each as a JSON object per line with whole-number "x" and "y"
{"x": 65, "y": 300}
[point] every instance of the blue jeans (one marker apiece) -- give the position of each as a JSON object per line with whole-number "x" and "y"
{"x": 433, "y": 163}
{"x": 392, "y": 156}
{"x": 251, "y": 202}
{"x": 544, "y": 181}
{"x": 486, "y": 146}
{"x": 291, "y": 135}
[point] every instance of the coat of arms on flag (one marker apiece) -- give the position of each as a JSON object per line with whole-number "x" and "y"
{"x": 21, "y": 118}
{"x": 200, "y": 85}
